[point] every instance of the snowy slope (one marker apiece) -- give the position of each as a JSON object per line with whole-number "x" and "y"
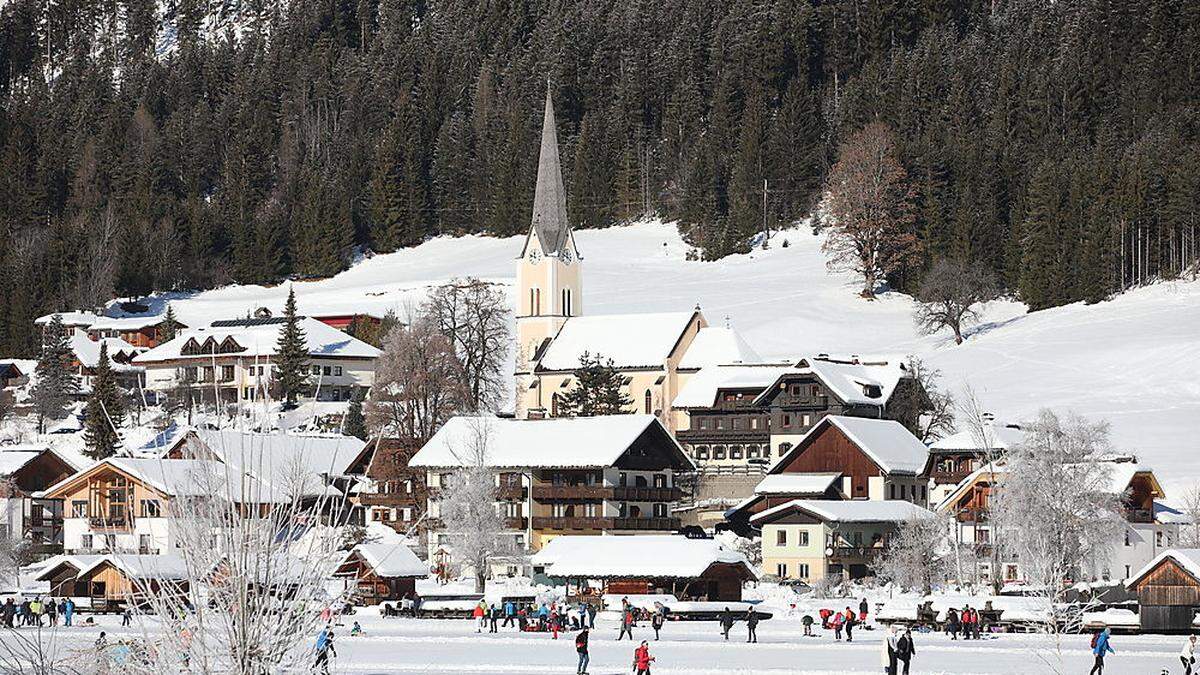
{"x": 1134, "y": 360}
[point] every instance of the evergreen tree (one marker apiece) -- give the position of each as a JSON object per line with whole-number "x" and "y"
{"x": 170, "y": 325}
{"x": 355, "y": 424}
{"x": 291, "y": 360}
{"x": 598, "y": 389}
{"x": 56, "y": 382}
{"x": 105, "y": 412}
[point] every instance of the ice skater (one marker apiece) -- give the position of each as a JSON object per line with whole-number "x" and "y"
{"x": 1100, "y": 649}
{"x": 642, "y": 659}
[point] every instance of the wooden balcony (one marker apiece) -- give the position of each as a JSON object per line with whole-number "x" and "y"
{"x": 599, "y": 523}
{"x": 510, "y": 493}
{"x": 121, "y": 523}
{"x": 856, "y": 552}
{"x": 389, "y": 499}
{"x": 598, "y": 492}
{"x": 647, "y": 494}
{"x": 949, "y": 477}
{"x": 1139, "y": 515}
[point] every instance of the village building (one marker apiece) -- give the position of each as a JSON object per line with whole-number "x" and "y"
{"x": 656, "y": 353}
{"x": 877, "y": 459}
{"x": 145, "y": 332}
{"x": 70, "y": 320}
{"x": 1168, "y": 591}
{"x": 1149, "y": 526}
{"x": 24, "y": 472}
{"x": 86, "y": 352}
{"x": 812, "y": 540}
{"x": 381, "y": 572}
{"x": 956, "y": 456}
{"x": 16, "y": 372}
{"x": 572, "y": 476}
{"x": 112, "y": 582}
{"x": 234, "y": 361}
{"x": 778, "y": 489}
{"x": 394, "y": 493}
{"x": 689, "y": 569}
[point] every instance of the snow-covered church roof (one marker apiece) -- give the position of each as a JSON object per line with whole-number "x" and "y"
{"x": 257, "y": 339}
{"x": 715, "y": 345}
{"x": 630, "y": 340}
{"x": 575, "y": 442}
{"x": 652, "y": 556}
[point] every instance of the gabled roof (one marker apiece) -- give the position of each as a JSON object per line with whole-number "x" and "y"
{"x": 133, "y": 566}
{"x": 129, "y": 323}
{"x": 1120, "y": 477}
{"x": 578, "y": 442}
{"x": 649, "y": 556}
{"x": 848, "y": 379}
{"x": 260, "y": 341}
{"x": 848, "y": 511}
{"x": 1186, "y": 558}
{"x": 887, "y": 443}
{"x": 69, "y": 318}
{"x": 281, "y": 456}
{"x": 796, "y": 483}
{"x": 15, "y": 458}
{"x": 702, "y": 388}
{"x": 87, "y": 351}
{"x": 716, "y": 345}
{"x": 390, "y": 560}
{"x": 630, "y": 340}
{"x": 991, "y": 436}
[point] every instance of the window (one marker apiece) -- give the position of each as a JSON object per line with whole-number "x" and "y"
{"x": 660, "y": 480}
{"x": 512, "y": 509}
{"x": 85, "y": 541}
{"x": 924, "y": 494}
{"x": 703, "y": 422}
{"x": 787, "y": 420}
{"x": 151, "y": 508}
{"x": 735, "y": 452}
{"x": 753, "y": 422}
{"x": 591, "y": 510}
{"x": 781, "y": 570}
{"x": 1127, "y": 571}
{"x": 982, "y": 536}
{"x": 781, "y": 537}
{"x": 815, "y": 390}
{"x": 143, "y": 542}
{"x": 648, "y": 401}
{"x": 443, "y": 540}
{"x": 1010, "y": 572}
{"x": 783, "y": 448}
{"x": 735, "y": 423}
{"x": 805, "y": 420}
{"x": 537, "y": 301}
{"x": 891, "y": 490}
{"x": 1158, "y": 538}
{"x": 702, "y": 452}
{"x": 751, "y": 451}
{"x": 660, "y": 510}
{"x": 315, "y": 370}
{"x": 802, "y": 570}
{"x": 337, "y": 371}
{"x": 719, "y": 452}
{"x": 802, "y": 538}
{"x": 624, "y": 480}
{"x": 376, "y": 515}
{"x": 226, "y": 373}
{"x": 79, "y": 508}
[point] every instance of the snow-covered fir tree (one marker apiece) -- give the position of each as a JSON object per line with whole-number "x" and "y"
{"x": 291, "y": 364}
{"x": 56, "y": 381}
{"x": 105, "y": 412}
{"x": 598, "y": 389}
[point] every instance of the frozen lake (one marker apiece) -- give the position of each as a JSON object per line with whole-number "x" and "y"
{"x": 451, "y": 646}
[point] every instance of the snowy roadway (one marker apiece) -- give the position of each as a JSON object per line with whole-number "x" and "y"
{"x": 452, "y": 646}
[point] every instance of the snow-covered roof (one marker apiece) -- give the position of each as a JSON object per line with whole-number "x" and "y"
{"x": 127, "y": 323}
{"x": 1171, "y": 515}
{"x": 656, "y": 556}
{"x": 391, "y": 560}
{"x": 11, "y": 461}
{"x": 68, "y": 318}
{"x": 716, "y": 345}
{"x": 133, "y": 566}
{"x": 887, "y": 442}
{"x": 283, "y": 458}
{"x": 850, "y": 511}
{"x": 553, "y": 443}
{"x": 87, "y": 350}
{"x": 1187, "y": 558}
{"x": 702, "y": 387}
{"x": 630, "y": 340}
{"x": 991, "y": 436}
{"x": 850, "y": 379}
{"x": 796, "y": 483}
{"x": 24, "y": 366}
{"x": 260, "y": 339}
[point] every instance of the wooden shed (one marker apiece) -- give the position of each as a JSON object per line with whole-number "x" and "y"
{"x": 1168, "y": 591}
{"x": 382, "y": 572}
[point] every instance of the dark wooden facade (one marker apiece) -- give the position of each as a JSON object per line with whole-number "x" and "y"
{"x": 369, "y": 587}
{"x": 830, "y": 450}
{"x": 721, "y": 582}
{"x": 1168, "y": 597}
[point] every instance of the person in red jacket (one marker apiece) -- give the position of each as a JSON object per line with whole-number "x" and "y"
{"x": 642, "y": 659}
{"x": 478, "y": 614}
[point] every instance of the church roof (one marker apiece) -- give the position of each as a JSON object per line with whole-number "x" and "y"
{"x": 630, "y": 340}
{"x": 550, "y": 198}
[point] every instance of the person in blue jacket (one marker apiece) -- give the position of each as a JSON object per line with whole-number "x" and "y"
{"x": 324, "y": 650}
{"x": 1100, "y": 648}
{"x": 510, "y": 613}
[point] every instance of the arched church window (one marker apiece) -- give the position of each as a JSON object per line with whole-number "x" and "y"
{"x": 648, "y": 401}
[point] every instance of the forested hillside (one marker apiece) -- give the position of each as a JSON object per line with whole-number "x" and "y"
{"x": 189, "y": 144}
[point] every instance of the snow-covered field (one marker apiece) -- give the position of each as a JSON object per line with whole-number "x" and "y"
{"x": 1134, "y": 361}
{"x": 452, "y": 646}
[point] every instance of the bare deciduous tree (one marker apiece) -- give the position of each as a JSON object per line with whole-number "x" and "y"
{"x": 1189, "y": 532}
{"x": 474, "y": 315}
{"x": 920, "y": 405}
{"x": 870, "y": 202}
{"x": 1055, "y": 507}
{"x": 950, "y": 295}
{"x": 467, "y": 507}
{"x": 417, "y": 383}
{"x": 919, "y": 554}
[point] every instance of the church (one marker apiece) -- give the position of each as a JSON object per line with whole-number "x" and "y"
{"x": 656, "y": 352}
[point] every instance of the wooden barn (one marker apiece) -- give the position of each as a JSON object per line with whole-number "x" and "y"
{"x": 1168, "y": 591}
{"x": 689, "y": 569}
{"x": 382, "y": 572}
{"x": 112, "y": 582}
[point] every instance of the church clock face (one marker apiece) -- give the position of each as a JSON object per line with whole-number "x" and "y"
{"x": 567, "y": 255}
{"x": 535, "y": 256}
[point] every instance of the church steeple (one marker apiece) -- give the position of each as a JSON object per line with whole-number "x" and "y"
{"x": 550, "y": 198}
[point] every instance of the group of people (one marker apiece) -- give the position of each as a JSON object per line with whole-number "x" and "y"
{"x": 967, "y": 622}
{"x": 37, "y": 612}
{"x": 552, "y": 617}
{"x": 838, "y": 621}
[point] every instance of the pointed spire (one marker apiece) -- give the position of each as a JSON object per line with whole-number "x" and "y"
{"x": 550, "y": 198}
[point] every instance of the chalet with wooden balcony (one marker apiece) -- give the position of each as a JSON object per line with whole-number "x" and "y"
{"x": 595, "y": 475}
{"x": 810, "y": 540}
{"x": 24, "y": 472}
{"x": 395, "y": 494}
{"x": 145, "y": 332}
{"x": 955, "y": 457}
{"x": 1150, "y": 526}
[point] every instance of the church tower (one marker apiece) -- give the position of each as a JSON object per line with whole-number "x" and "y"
{"x": 549, "y": 278}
